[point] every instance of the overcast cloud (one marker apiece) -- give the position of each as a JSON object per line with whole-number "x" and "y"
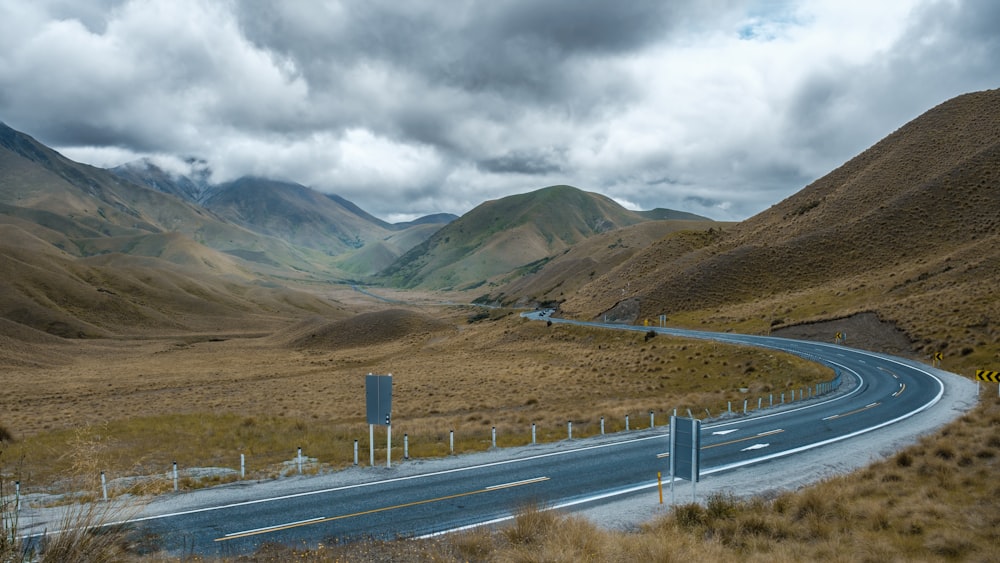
{"x": 721, "y": 108}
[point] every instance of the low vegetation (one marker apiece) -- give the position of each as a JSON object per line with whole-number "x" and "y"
{"x": 158, "y": 404}
{"x": 934, "y": 501}
{"x": 86, "y": 531}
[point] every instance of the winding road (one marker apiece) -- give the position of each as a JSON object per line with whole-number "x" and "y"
{"x": 878, "y": 390}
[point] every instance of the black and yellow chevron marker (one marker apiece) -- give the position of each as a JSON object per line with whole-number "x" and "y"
{"x": 938, "y": 356}
{"x": 984, "y": 375}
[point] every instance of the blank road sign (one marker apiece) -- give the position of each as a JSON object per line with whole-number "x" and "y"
{"x": 378, "y": 398}
{"x": 685, "y": 448}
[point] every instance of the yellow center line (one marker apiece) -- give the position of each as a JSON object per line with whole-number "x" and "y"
{"x": 516, "y": 484}
{"x": 310, "y": 522}
{"x": 889, "y": 372}
{"x": 856, "y": 411}
{"x": 902, "y": 387}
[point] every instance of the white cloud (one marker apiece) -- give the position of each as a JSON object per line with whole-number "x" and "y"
{"x": 720, "y": 109}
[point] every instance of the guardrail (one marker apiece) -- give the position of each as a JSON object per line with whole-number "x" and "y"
{"x": 177, "y": 478}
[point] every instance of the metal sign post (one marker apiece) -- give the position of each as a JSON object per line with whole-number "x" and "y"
{"x": 378, "y": 400}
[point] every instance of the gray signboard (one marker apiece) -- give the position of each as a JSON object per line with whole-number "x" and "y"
{"x": 685, "y": 448}
{"x": 378, "y": 398}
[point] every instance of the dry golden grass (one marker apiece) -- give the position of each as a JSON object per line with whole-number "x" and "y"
{"x": 133, "y": 407}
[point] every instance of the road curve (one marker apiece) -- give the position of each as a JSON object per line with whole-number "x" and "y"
{"x": 878, "y": 390}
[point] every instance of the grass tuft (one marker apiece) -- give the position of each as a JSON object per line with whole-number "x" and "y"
{"x": 531, "y": 524}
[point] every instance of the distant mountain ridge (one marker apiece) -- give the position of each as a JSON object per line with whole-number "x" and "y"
{"x": 145, "y": 172}
{"x": 500, "y": 236}
{"x": 200, "y": 190}
{"x": 115, "y": 232}
{"x": 325, "y": 223}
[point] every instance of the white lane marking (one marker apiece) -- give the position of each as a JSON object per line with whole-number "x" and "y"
{"x": 724, "y": 432}
{"x": 855, "y": 411}
{"x": 275, "y": 527}
{"x": 517, "y": 483}
{"x": 755, "y": 447}
{"x": 768, "y": 433}
{"x": 385, "y": 481}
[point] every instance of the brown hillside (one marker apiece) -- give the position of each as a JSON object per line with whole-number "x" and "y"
{"x": 568, "y": 272}
{"x": 49, "y": 291}
{"x": 907, "y": 229}
{"x": 366, "y": 329}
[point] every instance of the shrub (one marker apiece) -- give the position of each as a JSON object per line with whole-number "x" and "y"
{"x": 689, "y": 515}
{"x": 904, "y": 459}
{"x": 720, "y": 505}
{"x": 531, "y": 525}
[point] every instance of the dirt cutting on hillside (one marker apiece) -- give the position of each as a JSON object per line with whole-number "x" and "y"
{"x": 864, "y": 330}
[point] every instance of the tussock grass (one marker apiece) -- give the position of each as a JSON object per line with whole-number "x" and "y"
{"x": 86, "y": 531}
{"x": 202, "y": 404}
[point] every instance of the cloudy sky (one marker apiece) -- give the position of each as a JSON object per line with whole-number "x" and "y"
{"x": 717, "y": 107}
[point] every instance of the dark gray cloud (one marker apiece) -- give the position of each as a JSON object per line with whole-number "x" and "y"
{"x": 524, "y": 162}
{"x": 721, "y": 108}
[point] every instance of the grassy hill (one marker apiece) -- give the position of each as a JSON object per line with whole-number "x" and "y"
{"x": 909, "y": 230}
{"x": 59, "y": 200}
{"x": 554, "y": 278}
{"x": 46, "y": 290}
{"x": 358, "y": 242}
{"x": 500, "y": 236}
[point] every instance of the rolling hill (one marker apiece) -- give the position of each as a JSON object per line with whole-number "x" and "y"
{"x": 552, "y": 279}
{"x": 908, "y": 230}
{"x": 498, "y": 237}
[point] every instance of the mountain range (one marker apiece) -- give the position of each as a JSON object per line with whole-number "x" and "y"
{"x": 254, "y": 231}
{"x": 907, "y": 231}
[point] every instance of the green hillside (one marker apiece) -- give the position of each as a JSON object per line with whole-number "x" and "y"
{"x": 500, "y": 236}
